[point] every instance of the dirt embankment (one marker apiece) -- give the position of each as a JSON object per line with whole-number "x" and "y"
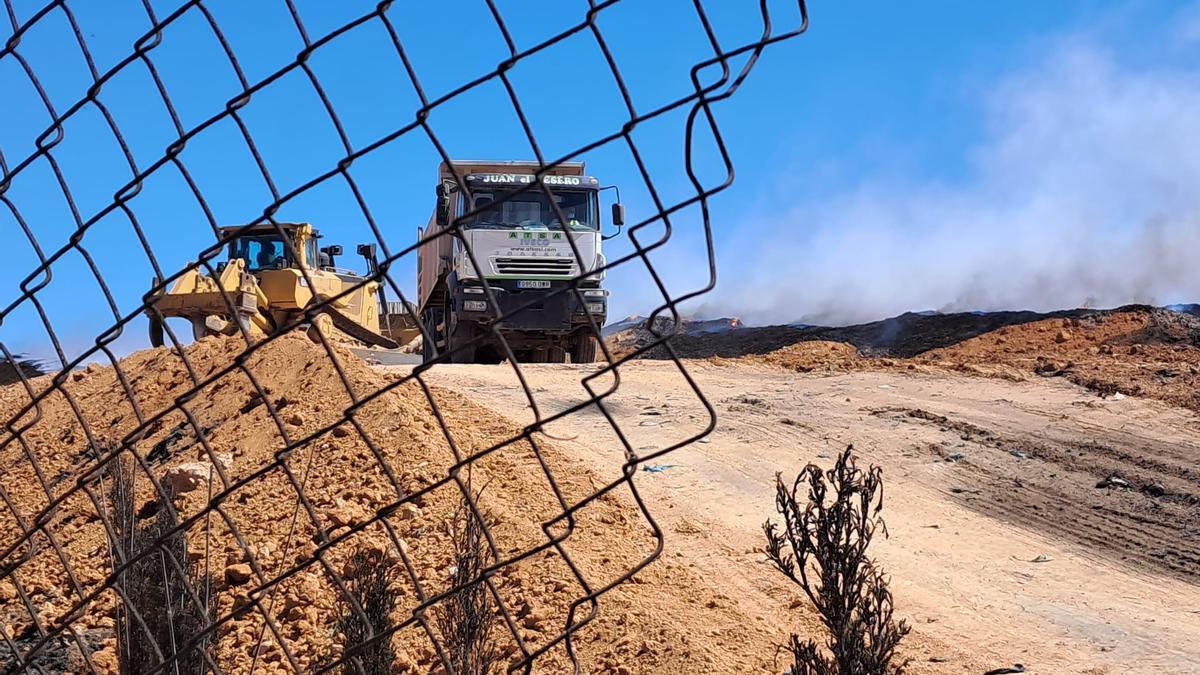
{"x": 900, "y": 336}
{"x": 1136, "y": 351}
{"x": 270, "y": 558}
{"x": 1135, "y": 497}
{"x": 1153, "y": 353}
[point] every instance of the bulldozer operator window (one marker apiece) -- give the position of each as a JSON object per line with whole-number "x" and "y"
{"x": 261, "y": 252}
{"x": 311, "y": 255}
{"x": 532, "y": 211}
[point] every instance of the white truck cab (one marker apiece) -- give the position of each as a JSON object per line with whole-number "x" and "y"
{"x": 521, "y": 257}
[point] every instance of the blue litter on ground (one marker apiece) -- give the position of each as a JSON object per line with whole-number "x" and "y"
{"x": 657, "y": 468}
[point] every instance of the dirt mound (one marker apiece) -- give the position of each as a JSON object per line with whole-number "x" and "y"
{"x": 727, "y": 344}
{"x": 811, "y": 356}
{"x": 1152, "y": 353}
{"x": 687, "y": 325}
{"x": 634, "y": 333}
{"x": 247, "y": 447}
{"x": 1135, "y": 350}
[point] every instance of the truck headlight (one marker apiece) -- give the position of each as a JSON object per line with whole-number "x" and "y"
{"x": 597, "y": 271}
{"x": 595, "y": 308}
{"x": 595, "y": 293}
{"x": 465, "y": 269}
{"x": 474, "y": 305}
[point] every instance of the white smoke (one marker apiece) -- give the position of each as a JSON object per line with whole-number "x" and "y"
{"x": 1086, "y": 190}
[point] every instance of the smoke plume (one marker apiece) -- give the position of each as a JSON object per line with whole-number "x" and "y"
{"x": 1084, "y": 191}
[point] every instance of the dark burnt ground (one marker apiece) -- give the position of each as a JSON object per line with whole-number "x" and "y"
{"x": 901, "y": 336}
{"x": 12, "y": 370}
{"x": 1120, "y": 496}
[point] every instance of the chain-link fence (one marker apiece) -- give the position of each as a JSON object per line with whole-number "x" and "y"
{"x": 262, "y": 499}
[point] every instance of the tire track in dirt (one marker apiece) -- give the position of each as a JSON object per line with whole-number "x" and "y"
{"x": 1133, "y": 503}
{"x": 1108, "y": 534}
{"x": 962, "y": 573}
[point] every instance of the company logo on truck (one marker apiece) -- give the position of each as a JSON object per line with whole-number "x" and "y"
{"x": 527, "y": 179}
{"x": 531, "y": 235}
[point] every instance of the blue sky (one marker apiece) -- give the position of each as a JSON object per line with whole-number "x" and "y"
{"x": 860, "y": 147}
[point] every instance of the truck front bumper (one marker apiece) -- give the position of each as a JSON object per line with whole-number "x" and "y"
{"x": 551, "y": 309}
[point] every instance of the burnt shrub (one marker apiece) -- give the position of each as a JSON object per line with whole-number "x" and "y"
{"x": 167, "y": 610}
{"x": 367, "y": 629}
{"x": 466, "y": 617}
{"x": 829, "y": 519}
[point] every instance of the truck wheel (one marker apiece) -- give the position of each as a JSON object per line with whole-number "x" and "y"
{"x": 556, "y": 355}
{"x": 488, "y": 356}
{"x": 462, "y": 345}
{"x": 429, "y": 340}
{"x": 583, "y": 349}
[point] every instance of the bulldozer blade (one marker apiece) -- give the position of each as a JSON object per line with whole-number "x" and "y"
{"x": 353, "y": 328}
{"x": 215, "y": 325}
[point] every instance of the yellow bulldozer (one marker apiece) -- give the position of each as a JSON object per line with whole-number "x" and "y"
{"x": 270, "y": 280}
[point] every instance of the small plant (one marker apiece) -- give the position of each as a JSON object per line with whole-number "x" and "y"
{"x": 466, "y": 618}
{"x": 171, "y": 606}
{"x": 822, "y": 547}
{"x": 369, "y": 579}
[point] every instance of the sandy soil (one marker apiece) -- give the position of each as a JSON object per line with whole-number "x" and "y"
{"x": 983, "y": 477}
{"x": 1032, "y": 520}
{"x": 272, "y": 562}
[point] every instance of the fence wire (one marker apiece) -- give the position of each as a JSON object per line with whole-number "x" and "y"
{"x": 72, "y": 480}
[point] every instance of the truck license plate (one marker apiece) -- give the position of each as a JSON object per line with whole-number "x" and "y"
{"x": 533, "y": 284}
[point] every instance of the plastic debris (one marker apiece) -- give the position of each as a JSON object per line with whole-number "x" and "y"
{"x": 1114, "y": 481}
{"x": 657, "y": 468}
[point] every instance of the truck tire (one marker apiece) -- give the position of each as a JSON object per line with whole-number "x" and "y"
{"x": 429, "y": 340}
{"x": 462, "y": 345}
{"x": 556, "y": 355}
{"x": 583, "y": 349}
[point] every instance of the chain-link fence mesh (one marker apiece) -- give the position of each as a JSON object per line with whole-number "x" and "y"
{"x": 265, "y": 501}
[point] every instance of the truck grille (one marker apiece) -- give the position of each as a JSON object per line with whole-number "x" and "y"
{"x": 562, "y": 267}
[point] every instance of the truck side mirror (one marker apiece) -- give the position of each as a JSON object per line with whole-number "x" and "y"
{"x": 618, "y": 214}
{"x": 443, "y": 205}
{"x": 334, "y": 250}
{"x": 366, "y": 250}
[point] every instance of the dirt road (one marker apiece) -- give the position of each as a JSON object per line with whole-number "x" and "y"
{"x": 983, "y": 478}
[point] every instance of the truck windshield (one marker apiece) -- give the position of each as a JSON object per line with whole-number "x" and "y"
{"x": 261, "y": 252}
{"x": 532, "y": 211}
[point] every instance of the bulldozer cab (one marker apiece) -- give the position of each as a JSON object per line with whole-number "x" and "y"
{"x": 262, "y": 248}
{"x": 276, "y": 277}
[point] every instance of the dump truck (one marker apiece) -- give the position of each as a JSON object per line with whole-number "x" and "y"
{"x": 267, "y": 283}
{"x": 524, "y": 254}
